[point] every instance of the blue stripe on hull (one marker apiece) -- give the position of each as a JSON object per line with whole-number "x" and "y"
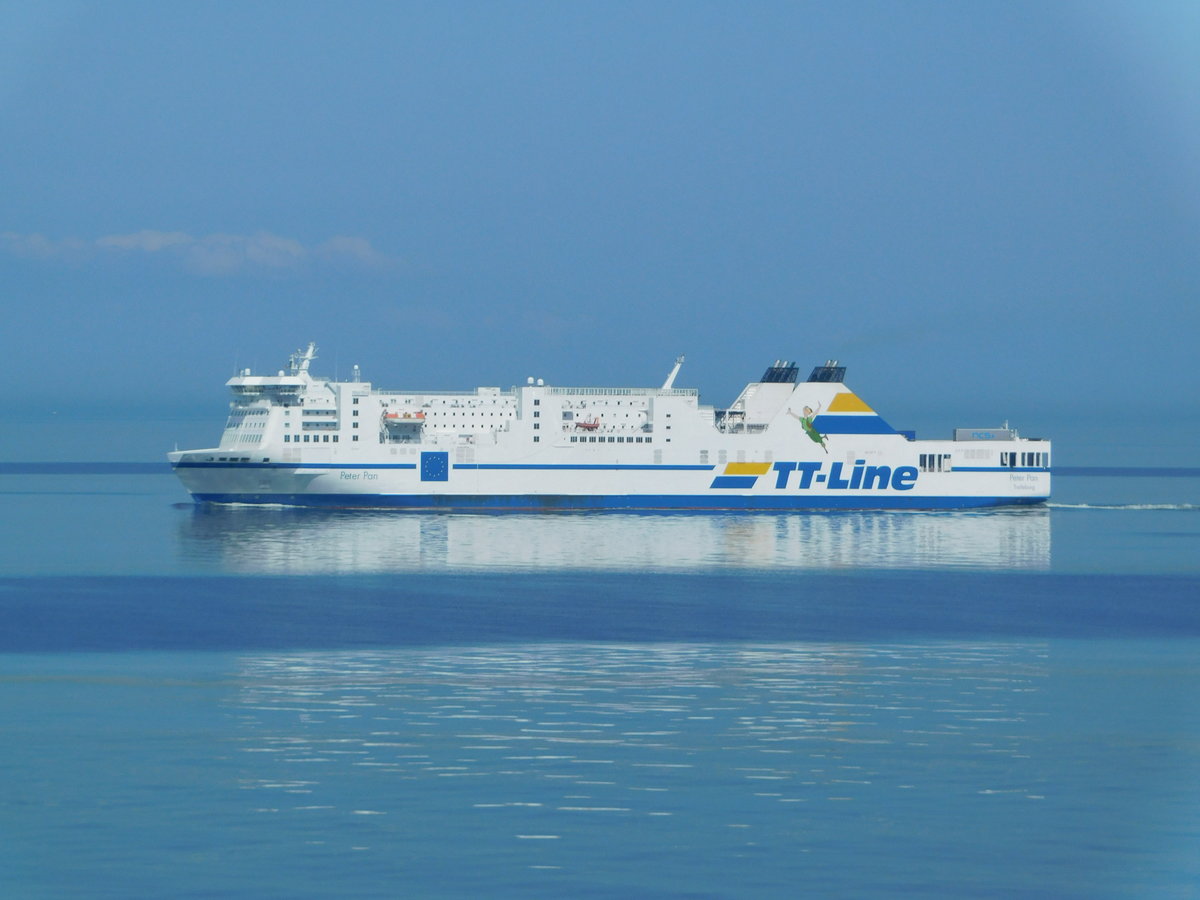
{"x": 600, "y": 467}
{"x": 999, "y": 469}
{"x": 738, "y": 482}
{"x": 289, "y": 465}
{"x": 604, "y": 467}
{"x": 871, "y": 424}
{"x": 616, "y": 501}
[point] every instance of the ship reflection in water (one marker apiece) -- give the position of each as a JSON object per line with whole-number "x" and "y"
{"x": 750, "y": 764}
{"x": 250, "y": 540}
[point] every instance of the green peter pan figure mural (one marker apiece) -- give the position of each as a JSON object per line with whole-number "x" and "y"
{"x": 806, "y": 422}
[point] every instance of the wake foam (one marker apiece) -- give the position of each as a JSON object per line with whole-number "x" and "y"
{"x": 1184, "y": 506}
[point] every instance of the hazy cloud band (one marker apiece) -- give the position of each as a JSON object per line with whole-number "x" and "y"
{"x": 214, "y": 254}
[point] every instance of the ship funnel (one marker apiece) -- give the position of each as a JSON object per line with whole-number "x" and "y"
{"x": 782, "y": 371}
{"x": 830, "y": 372}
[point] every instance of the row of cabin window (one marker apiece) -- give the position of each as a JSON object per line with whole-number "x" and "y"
{"x": 431, "y": 414}
{"x": 409, "y": 401}
{"x": 316, "y": 438}
{"x": 723, "y": 456}
{"x": 592, "y": 439}
{"x": 1027, "y": 460}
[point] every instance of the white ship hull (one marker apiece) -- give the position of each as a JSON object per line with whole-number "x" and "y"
{"x": 301, "y": 441}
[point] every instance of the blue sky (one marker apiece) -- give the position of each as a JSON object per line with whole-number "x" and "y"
{"x": 985, "y": 210}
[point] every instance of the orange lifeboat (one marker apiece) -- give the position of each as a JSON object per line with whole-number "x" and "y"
{"x": 404, "y": 418}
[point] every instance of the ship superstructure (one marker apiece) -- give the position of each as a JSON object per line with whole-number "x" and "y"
{"x": 298, "y": 439}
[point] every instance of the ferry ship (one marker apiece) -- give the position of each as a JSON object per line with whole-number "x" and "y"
{"x": 296, "y": 439}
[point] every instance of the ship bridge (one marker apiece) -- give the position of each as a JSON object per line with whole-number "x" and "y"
{"x": 285, "y": 388}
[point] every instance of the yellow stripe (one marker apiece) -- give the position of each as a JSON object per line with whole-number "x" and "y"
{"x": 848, "y": 402}
{"x": 747, "y": 468}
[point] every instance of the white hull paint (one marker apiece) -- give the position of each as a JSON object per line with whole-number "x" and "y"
{"x": 298, "y": 440}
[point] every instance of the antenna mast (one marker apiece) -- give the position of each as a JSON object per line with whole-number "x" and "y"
{"x": 675, "y": 371}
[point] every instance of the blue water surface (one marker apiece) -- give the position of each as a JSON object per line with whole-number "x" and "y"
{"x": 203, "y": 702}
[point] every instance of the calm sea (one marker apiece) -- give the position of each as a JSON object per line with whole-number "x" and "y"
{"x": 256, "y": 703}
